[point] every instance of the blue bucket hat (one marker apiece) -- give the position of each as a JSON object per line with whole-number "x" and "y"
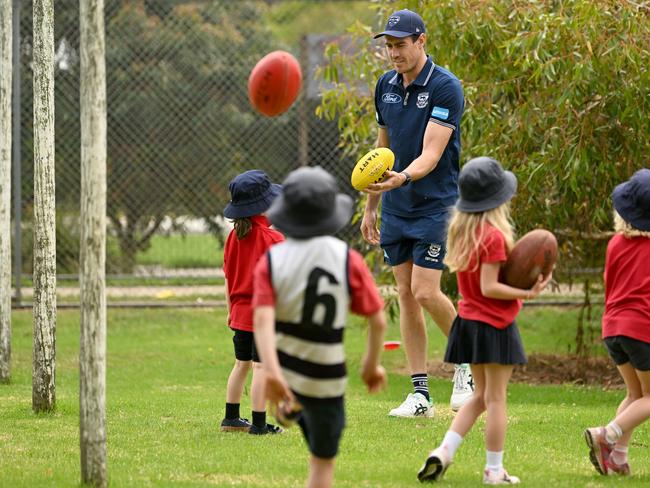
{"x": 632, "y": 200}
{"x": 484, "y": 184}
{"x": 403, "y": 23}
{"x": 251, "y": 193}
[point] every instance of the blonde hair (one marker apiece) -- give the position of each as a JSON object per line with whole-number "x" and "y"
{"x": 466, "y": 232}
{"x": 622, "y": 226}
{"x": 242, "y": 227}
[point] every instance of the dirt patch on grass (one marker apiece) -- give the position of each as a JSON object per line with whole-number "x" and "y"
{"x": 555, "y": 370}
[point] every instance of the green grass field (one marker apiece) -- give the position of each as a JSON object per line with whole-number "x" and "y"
{"x": 183, "y": 251}
{"x": 167, "y": 371}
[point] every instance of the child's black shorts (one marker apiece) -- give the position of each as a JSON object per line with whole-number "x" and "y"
{"x": 322, "y": 422}
{"x": 244, "y": 343}
{"x": 475, "y": 342}
{"x": 623, "y": 349}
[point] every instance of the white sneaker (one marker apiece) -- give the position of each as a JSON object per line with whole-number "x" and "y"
{"x": 500, "y": 477}
{"x": 463, "y": 386}
{"x": 415, "y": 405}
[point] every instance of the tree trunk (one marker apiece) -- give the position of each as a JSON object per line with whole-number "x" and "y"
{"x": 44, "y": 367}
{"x": 6, "y": 70}
{"x": 92, "y": 266}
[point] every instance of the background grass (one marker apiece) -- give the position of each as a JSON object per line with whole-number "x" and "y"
{"x": 183, "y": 251}
{"x": 552, "y": 330}
{"x": 167, "y": 371}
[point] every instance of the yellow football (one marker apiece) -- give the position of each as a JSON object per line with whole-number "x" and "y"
{"x": 371, "y": 167}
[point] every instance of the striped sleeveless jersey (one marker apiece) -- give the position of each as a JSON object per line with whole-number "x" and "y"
{"x": 310, "y": 282}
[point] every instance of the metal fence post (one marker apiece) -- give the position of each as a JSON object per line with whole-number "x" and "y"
{"x": 303, "y": 123}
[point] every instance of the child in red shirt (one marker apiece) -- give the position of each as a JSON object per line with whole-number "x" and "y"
{"x": 626, "y": 322}
{"x": 484, "y": 333}
{"x": 251, "y": 195}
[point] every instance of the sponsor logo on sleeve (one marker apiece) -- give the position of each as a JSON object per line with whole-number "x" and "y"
{"x": 440, "y": 113}
{"x": 391, "y": 98}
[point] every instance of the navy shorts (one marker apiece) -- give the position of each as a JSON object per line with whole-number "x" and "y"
{"x": 420, "y": 239}
{"x": 322, "y": 422}
{"x": 244, "y": 343}
{"x": 624, "y": 349}
{"x": 475, "y": 342}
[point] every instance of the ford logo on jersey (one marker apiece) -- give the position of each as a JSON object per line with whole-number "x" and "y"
{"x": 439, "y": 112}
{"x": 391, "y": 98}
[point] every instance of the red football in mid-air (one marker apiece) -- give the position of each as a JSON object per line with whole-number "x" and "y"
{"x": 274, "y": 83}
{"x": 534, "y": 254}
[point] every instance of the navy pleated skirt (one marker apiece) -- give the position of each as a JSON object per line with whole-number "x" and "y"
{"x": 475, "y": 342}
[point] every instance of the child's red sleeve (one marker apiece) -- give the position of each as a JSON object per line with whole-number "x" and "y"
{"x": 493, "y": 249}
{"x": 262, "y": 287}
{"x": 364, "y": 295}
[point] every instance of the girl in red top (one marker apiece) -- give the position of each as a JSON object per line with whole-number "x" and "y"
{"x": 251, "y": 195}
{"x": 484, "y": 333}
{"x": 626, "y": 322}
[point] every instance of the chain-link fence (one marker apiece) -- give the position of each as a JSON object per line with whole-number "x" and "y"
{"x": 179, "y": 122}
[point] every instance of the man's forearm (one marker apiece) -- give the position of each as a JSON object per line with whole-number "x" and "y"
{"x": 372, "y": 203}
{"x": 424, "y": 164}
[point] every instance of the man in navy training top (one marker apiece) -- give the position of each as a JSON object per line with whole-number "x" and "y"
{"x": 418, "y": 106}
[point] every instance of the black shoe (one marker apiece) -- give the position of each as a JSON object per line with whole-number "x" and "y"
{"x": 267, "y": 429}
{"x": 235, "y": 425}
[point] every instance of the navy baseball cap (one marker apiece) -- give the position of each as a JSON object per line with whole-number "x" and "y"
{"x": 403, "y": 23}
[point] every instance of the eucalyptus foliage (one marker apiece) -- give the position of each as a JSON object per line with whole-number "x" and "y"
{"x": 559, "y": 91}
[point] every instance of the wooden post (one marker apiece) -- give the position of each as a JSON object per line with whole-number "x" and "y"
{"x": 92, "y": 266}
{"x": 6, "y": 70}
{"x": 16, "y": 140}
{"x": 44, "y": 359}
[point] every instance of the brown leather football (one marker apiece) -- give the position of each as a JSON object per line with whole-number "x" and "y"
{"x": 534, "y": 254}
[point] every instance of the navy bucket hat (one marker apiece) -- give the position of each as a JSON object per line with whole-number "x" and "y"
{"x": 484, "y": 185}
{"x": 632, "y": 200}
{"x": 310, "y": 204}
{"x": 251, "y": 193}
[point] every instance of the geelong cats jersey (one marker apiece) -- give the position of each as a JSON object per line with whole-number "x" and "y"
{"x": 310, "y": 281}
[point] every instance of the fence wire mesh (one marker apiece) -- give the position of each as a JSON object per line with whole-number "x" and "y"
{"x": 179, "y": 122}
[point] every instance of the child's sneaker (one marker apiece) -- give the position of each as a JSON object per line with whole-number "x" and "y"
{"x": 599, "y": 448}
{"x": 267, "y": 429}
{"x": 435, "y": 465}
{"x": 415, "y": 405}
{"x": 463, "y": 386}
{"x": 235, "y": 425}
{"x": 620, "y": 469}
{"x": 500, "y": 477}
